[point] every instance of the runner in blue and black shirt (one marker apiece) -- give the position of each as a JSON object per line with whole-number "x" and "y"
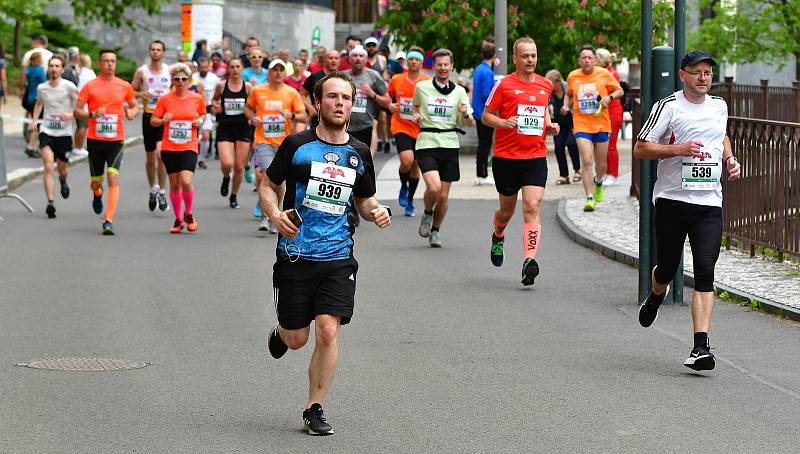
{"x": 327, "y": 173}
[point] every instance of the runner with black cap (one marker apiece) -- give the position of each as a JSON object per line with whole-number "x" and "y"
{"x": 686, "y": 133}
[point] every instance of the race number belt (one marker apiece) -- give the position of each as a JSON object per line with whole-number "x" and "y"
{"x": 106, "y": 126}
{"x": 329, "y": 188}
{"x": 180, "y": 131}
{"x": 233, "y": 106}
{"x": 274, "y": 126}
{"x": 406, "y": 108}
{"x": 530, "y": 120}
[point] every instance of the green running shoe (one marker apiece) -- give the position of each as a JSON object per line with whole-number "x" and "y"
{"x": 496, "y": 254}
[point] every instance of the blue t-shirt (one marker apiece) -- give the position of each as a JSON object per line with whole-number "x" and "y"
{"x": 482, "y": 84}
{"x": 261, "y": 77}
{"x": 322, "y": 180}
{"x": 34, "y": 75}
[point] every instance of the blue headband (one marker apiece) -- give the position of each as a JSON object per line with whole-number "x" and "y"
{"x": 414, "y": 54}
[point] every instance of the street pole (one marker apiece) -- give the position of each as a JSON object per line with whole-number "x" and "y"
{"x": 645, "y": 174}
{"x": 501, "y": 36}
{"x": 680, "y": 51}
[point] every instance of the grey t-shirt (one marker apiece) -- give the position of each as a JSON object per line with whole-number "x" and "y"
{"x": 365, "y": 109}
{"x": 57, "y": 100}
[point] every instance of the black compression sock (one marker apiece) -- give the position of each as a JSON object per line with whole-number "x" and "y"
{"x": 700, "y": 339}
{"x": 404, "y": 178}
{"x": 429, "y": 212}
{"x": 434, "y": 229}
{"x": 412, "y": 187}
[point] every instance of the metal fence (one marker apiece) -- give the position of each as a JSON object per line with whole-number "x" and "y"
{"x": 762, "y": 207}
{"x": 760, "y": 101}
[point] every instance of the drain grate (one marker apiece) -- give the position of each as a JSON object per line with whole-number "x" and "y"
{"x": 84, "y": 364}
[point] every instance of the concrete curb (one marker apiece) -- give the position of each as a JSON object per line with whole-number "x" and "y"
{"x": 630, "y": 258}
{"x": 21, "y": 176}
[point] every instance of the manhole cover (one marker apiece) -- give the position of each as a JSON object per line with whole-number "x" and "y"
{"x": 83, "y": 364}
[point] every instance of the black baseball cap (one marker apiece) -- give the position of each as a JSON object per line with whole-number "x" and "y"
{"x": 696, "y": 56}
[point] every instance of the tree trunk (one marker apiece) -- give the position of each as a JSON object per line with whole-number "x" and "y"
{"x": 18, "y": 40}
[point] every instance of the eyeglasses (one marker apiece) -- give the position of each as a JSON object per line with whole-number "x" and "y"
{"x": 706, "y": 74}
{"x": 259, "y": 57}
{"x": 180, "y": 79}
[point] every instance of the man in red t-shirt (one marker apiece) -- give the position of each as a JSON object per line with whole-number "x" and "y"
{"x": 109, "y": 99}
{"x": 517, "y": 109}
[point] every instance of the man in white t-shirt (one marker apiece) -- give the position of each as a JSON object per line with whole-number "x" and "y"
{"x": 209, "y": 81}
{"x": 38, "y": 45}
{"x": 686, "y": 133}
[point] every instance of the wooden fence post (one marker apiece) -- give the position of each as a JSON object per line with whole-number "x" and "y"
{"x": 765, "y": 99}
{"x": 796, "y": 95}
{"x": 731, "y": 102}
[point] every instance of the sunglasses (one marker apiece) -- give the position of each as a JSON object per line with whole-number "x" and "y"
{"x": 180, "y": 79}
{"x": 257, "y": 56}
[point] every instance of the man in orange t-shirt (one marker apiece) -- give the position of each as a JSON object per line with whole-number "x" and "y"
{"x": 517, "y": 109}
{"x": 271, "y": 108}
{"x": 592, "y": 89}
{"x": 108, "y": 98}
{"x": 404, "y": 128}
{"x": 180, "y": 113}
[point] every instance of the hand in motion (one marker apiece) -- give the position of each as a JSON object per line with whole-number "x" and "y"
{"x": 734, "y": 168}
{"x": 284, "y": 225}
{"x": 380, "y": 216}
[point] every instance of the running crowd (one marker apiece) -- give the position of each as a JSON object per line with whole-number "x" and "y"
{"x": 310, "y": 130}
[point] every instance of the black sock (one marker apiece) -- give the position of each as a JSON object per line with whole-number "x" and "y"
{"x": 412, "y": 187}
{"x": 49, "y": 202}
{"x": 434, "y": 229}
{"x": 403, "y": 178}
{"x": 700, "y": 339}
{"x": 429, "y": 212}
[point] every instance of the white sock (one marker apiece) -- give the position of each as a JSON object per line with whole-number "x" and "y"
{"x": 154, "y": 189}
{"x": 203, "y": 150}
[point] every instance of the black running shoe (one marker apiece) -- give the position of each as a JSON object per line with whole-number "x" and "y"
{"x": 701, "y": 358}
{"x": 277, "y": 348}
{"x": 530, "y": 269}
{"x": 64, "y": 188}
{"x": 496, "y": 253}
{"x": 97, "y": 203}
{"x": 202, "y": 165}
{"x": 162, "y": 201}
{"x": 151, "y": 202}
{"x": 387, "y": 147}
{"x": 108, "y": 228}
{"x": 314, "y": 422}
{"x": 648, "y": 311}
{"x": 223, "y": 190}
{"x": 50, "y": 210}
{"x": 233, "y": 202}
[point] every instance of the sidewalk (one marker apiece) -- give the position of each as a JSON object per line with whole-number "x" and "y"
{"x": 613, "y": 230}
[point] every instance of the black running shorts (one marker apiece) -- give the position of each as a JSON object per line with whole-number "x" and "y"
{"x": 60, "y": 145}
{"x": 404, "y": 142}
{"x": 305, "y": 289}
{"x": 510, "y": 175}
{"x": 104, "y": 153}
{"x": 234, "y": 132}
{"x": 177, "y": 161}
{"x": 151, "y": 134}
{"x": 442, "y": 160}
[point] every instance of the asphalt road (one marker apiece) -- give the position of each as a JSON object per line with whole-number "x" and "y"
{"x": 445, "y": 352}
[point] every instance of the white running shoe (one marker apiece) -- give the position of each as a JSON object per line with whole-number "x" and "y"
{"x": 80, "y": 152}
{"x": 610, "y": 180}
{"x": 485, "y": 181}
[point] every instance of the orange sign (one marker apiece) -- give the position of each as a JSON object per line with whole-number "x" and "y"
{"x": 186, "y": 22}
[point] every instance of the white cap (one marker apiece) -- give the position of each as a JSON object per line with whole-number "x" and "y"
{"x": 276, "y": 62}
{"x": 400, "y": 55}
{"x": 371, "y": 40}
{"x": 358, "y": 49}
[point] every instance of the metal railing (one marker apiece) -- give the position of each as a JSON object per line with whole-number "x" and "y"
{"x": 762, "y": 208}
{"x": 760, "y": 101}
